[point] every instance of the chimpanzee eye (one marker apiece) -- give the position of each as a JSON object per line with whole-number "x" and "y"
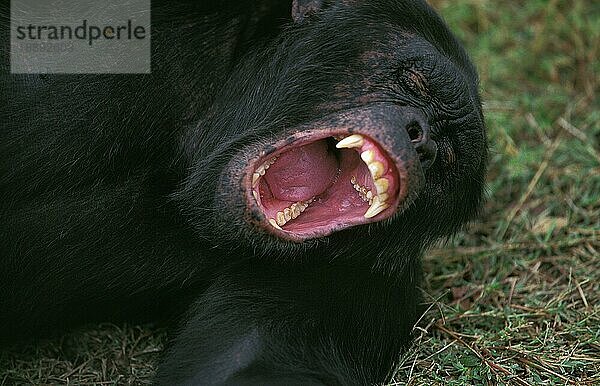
{"x": 412, "y": 79}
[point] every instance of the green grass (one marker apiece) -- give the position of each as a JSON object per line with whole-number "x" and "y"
{"x": 516, "y": 298}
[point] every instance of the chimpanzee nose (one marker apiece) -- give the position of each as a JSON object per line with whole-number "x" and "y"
{"x": 420, "y": 136}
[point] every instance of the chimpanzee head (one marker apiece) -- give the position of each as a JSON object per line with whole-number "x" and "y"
{"x": 359, "y": 120}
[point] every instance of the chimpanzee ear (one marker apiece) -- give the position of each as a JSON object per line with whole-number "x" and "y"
{"x": 302, "y": 9}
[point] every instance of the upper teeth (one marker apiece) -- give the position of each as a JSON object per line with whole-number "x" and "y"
{"x": 377, "y": 203}
{"x": 376, "y": 169}
{"x": 377, "y": 200}
{"x": 363, "y": 192}
{"x": 355, "y": 140}
{"x": 381, "y": 185}
{"x": 376, "y": 207}
{"x": 368, "y": 156}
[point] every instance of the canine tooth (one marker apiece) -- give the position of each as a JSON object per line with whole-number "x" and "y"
{"x": 255, "y": 194}
{"x": 287, "y": 213}
{"x": 355, "y": 140}
{"x": 255, "y": 177}
{"x": 376, "y": 208}
{"x": 368, "y": 156}
{"x": 274, "y": 224}
{"x": 382, "y": 185}
{"x": 376, "y": 169}
{"x": 281, "y": 219}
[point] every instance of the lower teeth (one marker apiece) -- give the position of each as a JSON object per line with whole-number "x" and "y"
{"x": 377, "y": 200}
{"x": 290, "y": 213}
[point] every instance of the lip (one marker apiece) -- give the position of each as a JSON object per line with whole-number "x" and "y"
{"x": 397, "y": 169}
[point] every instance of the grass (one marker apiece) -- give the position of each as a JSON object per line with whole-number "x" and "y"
{"x": 516, "y": 298}
{"x": 103, "y": 354}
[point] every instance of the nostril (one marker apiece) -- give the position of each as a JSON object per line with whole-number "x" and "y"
{"x": 425, "y": 146}
{"x": 415, "y": 132}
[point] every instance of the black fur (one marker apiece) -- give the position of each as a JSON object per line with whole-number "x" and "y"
{"x": 118, "y": 196}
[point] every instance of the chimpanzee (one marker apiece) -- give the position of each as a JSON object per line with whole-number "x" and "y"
{"x": 271, "y": 185}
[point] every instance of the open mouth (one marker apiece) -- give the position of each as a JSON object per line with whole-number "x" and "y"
{"x": 321, "y": 184}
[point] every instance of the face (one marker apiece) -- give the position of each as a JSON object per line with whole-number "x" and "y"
{"x": 355, "y": 121}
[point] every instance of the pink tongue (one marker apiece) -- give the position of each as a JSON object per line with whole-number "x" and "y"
{"x": 302, "y": 173}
